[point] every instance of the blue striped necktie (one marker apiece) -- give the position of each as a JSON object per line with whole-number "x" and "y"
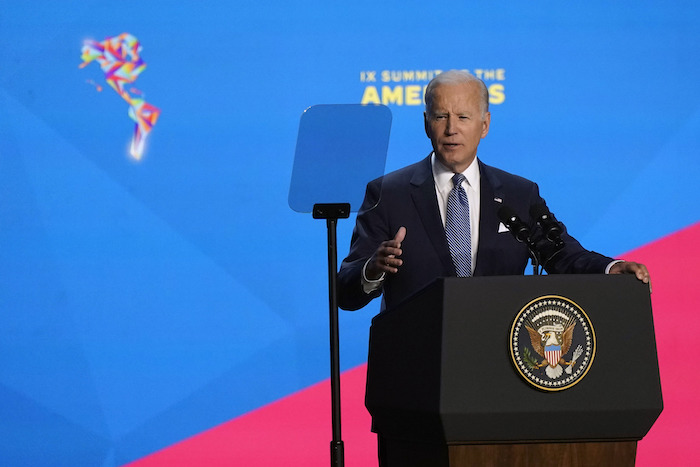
{"x": 458, "y": 229}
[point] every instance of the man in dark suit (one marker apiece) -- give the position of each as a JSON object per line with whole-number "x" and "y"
{"x": 400, "y": 242}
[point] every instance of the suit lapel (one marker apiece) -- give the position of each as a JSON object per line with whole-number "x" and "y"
{"x": 488, "y": 222}
{"x": 425, "y": 200}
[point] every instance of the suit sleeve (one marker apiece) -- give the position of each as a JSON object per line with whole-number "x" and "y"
{"x": 371, "y": 229}
{"x": 572, "y": 258}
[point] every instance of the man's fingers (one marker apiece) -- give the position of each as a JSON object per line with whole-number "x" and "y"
{"x": 387, "y": 257}
{"x": 392, "y": 262}
{"x": 390, "y": 251}
{"x": 639, "y": 270}
{"x": 400, "y": 235}
{"x": 643, "y": 274}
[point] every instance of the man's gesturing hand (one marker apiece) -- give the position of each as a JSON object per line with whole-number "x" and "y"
{"x": 386, "y": 258}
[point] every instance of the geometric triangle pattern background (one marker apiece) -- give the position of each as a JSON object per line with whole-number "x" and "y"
{"x": 173, "y": 311}
{"x": 295, "y": 431}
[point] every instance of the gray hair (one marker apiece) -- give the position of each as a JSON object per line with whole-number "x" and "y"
{"x": 456, "y": 77}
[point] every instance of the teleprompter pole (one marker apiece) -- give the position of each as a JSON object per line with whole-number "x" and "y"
{"x": 333, "y": 212}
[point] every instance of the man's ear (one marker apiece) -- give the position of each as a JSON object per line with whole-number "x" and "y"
{"x": 427, "y": 126}
{"x": 486, "y": 125}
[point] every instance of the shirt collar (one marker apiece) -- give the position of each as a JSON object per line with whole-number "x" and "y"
{"x": 443, "y": 175}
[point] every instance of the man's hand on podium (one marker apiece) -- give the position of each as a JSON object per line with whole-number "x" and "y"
{"x": 630, "y": 267}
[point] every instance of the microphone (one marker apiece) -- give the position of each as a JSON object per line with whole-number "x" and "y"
{"x": 548, "y": 223}
{"x": 513, "y": 223}
{"x": 521, "y": 232}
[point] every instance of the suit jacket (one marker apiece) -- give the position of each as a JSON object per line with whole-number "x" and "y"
{"x": 407, "y": 198}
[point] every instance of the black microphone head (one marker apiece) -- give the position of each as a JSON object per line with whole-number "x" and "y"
{"x": 516, "y": 226}
{"x": 506, "y": 215}
{"x": 546, "y": 220}
{"x": 539, "y": 211}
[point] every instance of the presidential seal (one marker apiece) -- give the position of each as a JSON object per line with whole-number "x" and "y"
{"x": 552, "y": 343}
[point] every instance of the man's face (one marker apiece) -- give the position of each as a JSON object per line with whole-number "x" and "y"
{"x": 455, "y": 125}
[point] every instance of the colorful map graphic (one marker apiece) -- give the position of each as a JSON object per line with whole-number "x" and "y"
{"x": 120, "y": 60}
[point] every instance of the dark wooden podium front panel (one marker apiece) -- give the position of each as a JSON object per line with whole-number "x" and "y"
{"x": 605, "y": 454}
{"x": 401, "y": 453}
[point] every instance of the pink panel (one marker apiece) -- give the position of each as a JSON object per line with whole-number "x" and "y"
{"x": 295, "y": 431}
{"x": 672, "y": 262}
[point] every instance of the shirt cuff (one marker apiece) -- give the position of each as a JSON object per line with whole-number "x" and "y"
{"x": 613, "y": 263}
{"x": 369, "y": 286}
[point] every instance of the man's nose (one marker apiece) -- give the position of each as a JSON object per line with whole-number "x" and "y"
{"x": 449, "y": 125}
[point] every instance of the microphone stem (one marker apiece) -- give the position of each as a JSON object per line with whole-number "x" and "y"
{"x": 534, "y": 258}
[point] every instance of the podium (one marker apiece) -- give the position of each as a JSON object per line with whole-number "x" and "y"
{"x": 444, "y": 388}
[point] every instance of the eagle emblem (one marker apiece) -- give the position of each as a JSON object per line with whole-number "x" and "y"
{"x": 542, "y": 338}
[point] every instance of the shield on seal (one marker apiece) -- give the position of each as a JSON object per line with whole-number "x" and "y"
{"x": 552, "y": 353}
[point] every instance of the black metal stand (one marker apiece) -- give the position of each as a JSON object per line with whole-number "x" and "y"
{"x": 333, "y": 212}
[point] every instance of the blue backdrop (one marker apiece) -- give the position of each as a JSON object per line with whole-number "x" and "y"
{"x": 142, "y": 302}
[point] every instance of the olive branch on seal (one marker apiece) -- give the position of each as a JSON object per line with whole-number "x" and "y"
{"x": 530, "y": 362}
